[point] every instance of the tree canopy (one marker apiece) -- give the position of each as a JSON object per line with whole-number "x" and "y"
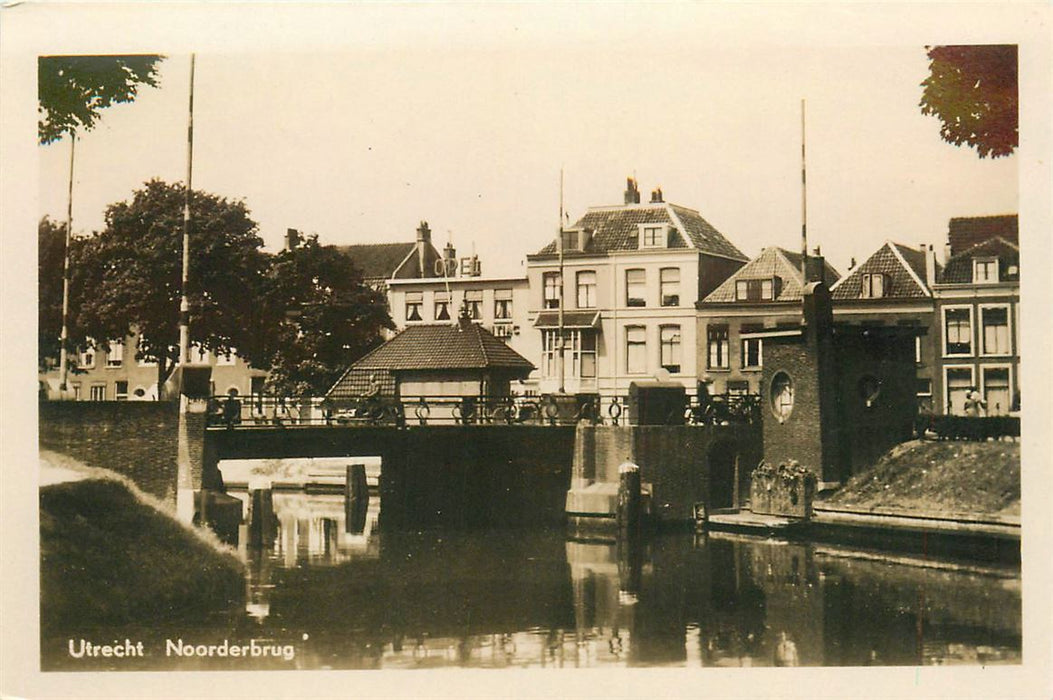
{"x": 973, "y": 92}
{"x": 72, "y": 89}
{"x": 51, "y": 245}
{"x": 326, "y": 318}
{"x": 127, "y": 278}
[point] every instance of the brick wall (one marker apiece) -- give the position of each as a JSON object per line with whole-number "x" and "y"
{"x": 135, "y": 438}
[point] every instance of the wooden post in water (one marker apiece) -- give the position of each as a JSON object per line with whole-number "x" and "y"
{"x": 261, "y": 526}
{"x": 356, "y": 499}
{"x": 629, "y": 500}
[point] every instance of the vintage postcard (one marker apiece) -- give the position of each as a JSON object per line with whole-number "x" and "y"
{"x": 450, "y": 349}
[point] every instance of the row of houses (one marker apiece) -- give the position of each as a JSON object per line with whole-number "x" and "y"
{"x": 650, "y": 290}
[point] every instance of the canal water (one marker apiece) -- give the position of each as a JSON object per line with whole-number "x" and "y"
{"x": 326, "y": 598}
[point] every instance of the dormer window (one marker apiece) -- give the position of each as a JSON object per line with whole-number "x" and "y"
{"x": 758, "y": 290}
{"x": 874, "y": 285}
{"x": 985, "y": 270}
{"x": 654, "y": 235}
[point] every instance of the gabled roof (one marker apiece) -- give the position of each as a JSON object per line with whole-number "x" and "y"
{"x": 377, "y": 260}
{"x": 616, "y": 228}
{"x": 904, "y": 267}
{"x": 967, "y": 231}
{"x": 440, "y": 346}
{"x": 959, "y": 269}
{"x": 772, "y": 262}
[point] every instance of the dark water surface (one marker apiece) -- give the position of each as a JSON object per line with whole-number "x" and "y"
{"x": 323, "y": 598}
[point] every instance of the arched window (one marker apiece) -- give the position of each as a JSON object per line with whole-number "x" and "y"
{"x": 781, "y": 396}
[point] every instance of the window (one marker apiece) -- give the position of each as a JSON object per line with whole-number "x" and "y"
{"x": 738, "y": 387}
{"x": 586, "y": 289}
{"x": 781, "y": 396}
{"x": 579, "y": 353}
{"x": 414, "y": 304}
{"x": 635, "y": 287}
{"x": 874, "y": 285}
{"x": 958, "y": 330}
{"x": 958, "y": 382}
{"x": 635, "y": 349}
{"x": 670, "y": 346}
{"x": 115, "y": 355}
{"x": 76, "y": 391}
{"x": 552, "y": 290}
{"x": 653, "y": 236}
{"x": 87, "y": 358}
{"x": 917, "y": 349}
{"x": 996, "y": 390}
{"x": 120, "y": 391}
{"x": 569, "y": 240}
{"x": 502, "y": 304}
{"x": 717, "y": 337}
{"x": 758, "y": 290}
{"x": 751, "y": 353}
{"x": 985, "y": 270}
{"x": 924, "y": 387}
{"x": 994, "y": 324}
{"x": 140, "y": 355}
{"x": 442, "y": 306}
{"x": 669, "y": 283}
{"x": 98, "y": 392}
{"x": 473, "y": 299}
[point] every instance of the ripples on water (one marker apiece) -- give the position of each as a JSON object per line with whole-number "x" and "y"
{"x": 531, "y": 599}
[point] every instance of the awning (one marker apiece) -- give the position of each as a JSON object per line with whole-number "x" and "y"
{"x": 571, "y": 319}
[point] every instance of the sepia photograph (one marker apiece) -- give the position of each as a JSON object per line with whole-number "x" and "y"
{"x": 617, "y": 346}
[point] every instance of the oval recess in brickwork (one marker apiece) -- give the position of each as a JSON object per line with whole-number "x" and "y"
{"x": 781, "y": 395}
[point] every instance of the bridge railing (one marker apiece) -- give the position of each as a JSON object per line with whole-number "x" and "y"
{"x": 264, "y": 410}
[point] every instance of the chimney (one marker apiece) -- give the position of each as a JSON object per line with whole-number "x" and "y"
{"x": 930, "y": 265}
{"x": 632, "y": 192}
{"x": 656, "y": 196}
{"x": 449, "y": 260}
{"x": 946, "y": 253}
{"x": 816, "y": 267}
{"x": 423, "y": 241}
{"x": 292, "y": 238}
{"x": 851, "y": 264}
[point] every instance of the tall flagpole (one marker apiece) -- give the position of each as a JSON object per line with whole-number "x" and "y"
{"x": 63, "y": 357}
{"x": 804, "y": 208}
{"x": 559, "y": 246}
{"x": 184, "y": 303}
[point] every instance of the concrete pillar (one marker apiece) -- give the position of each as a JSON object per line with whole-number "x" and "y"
{"x": 262, "y": 530}
{"x": 629, "y": 501}
{"x": 356, "y": 499}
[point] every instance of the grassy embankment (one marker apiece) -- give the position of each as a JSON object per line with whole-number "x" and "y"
{"x": 110, "y": 553}
{"x": 939, "y": 477}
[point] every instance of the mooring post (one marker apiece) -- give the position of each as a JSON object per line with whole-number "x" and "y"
{"x": 261, "y": 526}
{"x": 356, "y": 499}
{"x": 629, "y": 501}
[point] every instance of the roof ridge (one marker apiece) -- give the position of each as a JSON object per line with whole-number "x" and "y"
{"x": 981, "y": 244}
{"x": 679, "y": 225}
{"x": 910, "y": 269}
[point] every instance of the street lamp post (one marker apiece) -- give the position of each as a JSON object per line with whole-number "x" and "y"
{"x": 184, "y": 302}
{"x": 63, "y": 357}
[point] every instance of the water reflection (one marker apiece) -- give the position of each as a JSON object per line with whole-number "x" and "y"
{"x": 531, "y": 599}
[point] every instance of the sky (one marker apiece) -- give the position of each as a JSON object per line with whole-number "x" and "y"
{"x": 359, "y": 143}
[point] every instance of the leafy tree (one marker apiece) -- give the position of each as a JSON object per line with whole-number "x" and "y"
{"x": 51, "y": 245}
{"x": 973, "y": 92}
{"x": 327, "y": 318}
{"x": 72, "y": 89}
{"x": 127, "y": 278}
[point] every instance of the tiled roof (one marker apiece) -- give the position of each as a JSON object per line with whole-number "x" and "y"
{"x": 772, "y": 262}
{"x": 356, "y": 383}
{"x": 959, "y": 269}
{"x": 967, "y": 231}
{"x": 896, "y": 262}
{"x": 439, "y": 346}
{"x": 616, "y": 228}
{"x": 571, "y": 319}
{"x": 377, "y": 260}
